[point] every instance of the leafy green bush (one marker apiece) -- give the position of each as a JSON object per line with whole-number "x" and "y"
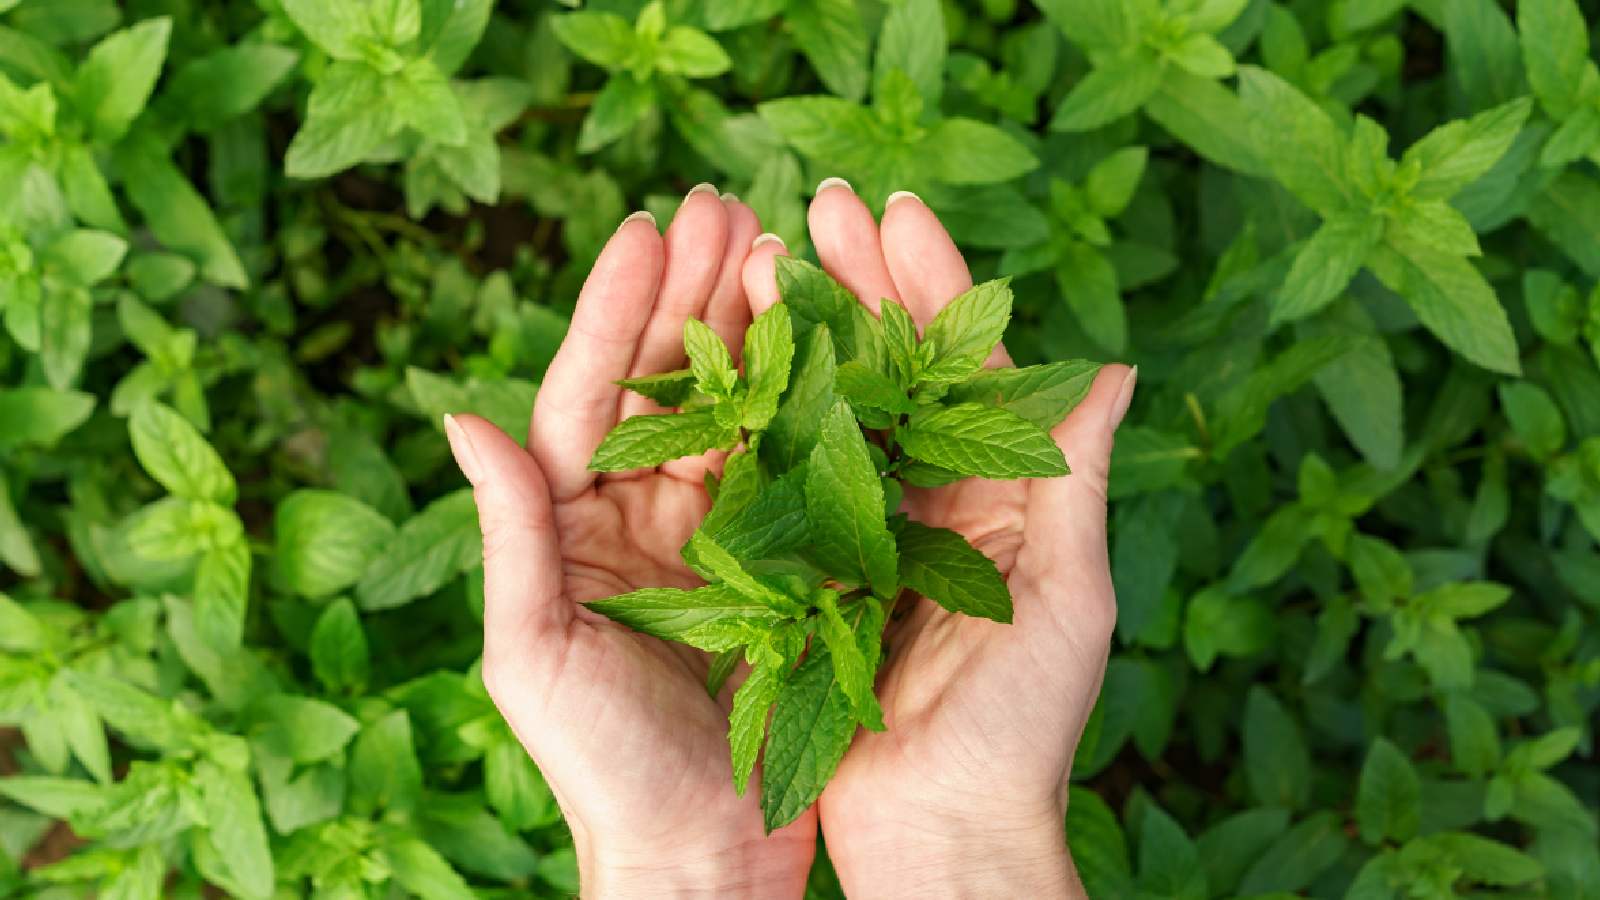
{"x": 250, "y": 251}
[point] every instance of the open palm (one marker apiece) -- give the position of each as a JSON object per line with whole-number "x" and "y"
{"x": 620, "y": 723}
{"x": 982, "y": 717}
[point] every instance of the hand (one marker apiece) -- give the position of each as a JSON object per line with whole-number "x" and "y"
{"x": 620, "y": 724}
{"x": 965, "y": 793}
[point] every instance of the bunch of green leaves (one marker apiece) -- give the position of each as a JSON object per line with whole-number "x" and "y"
{"x": 805, "y": 549}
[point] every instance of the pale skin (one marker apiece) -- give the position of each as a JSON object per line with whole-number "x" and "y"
{"x": 964, "y": 794}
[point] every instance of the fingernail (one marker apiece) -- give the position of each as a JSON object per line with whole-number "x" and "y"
{"x": 900, "y": 195}
{"x": 704, "y": 187}
{"x": 461, "y": 448}
{"x": 768, "y": 238}
{"x": 642, "y": 215}
{"x": 729, "y": 197}
{"x": 834, "y": 181}
{"x": 1119, "y": 407}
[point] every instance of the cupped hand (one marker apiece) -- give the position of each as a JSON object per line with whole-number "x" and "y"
{"x": 620, "y": 724}
{"x": 965, "y": 792}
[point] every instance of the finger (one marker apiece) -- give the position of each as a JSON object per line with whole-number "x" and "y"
{"x": 523, "y": 603}
{"x": 695, "y": 245}
{"x": 846, "y": 238}
{"x": 927, "y": 268}
{"x": 1065, "y": 537}
{"x": 577, "y": 402}
{"x": 760, "y": 272}
{"x": 728, "y": 314}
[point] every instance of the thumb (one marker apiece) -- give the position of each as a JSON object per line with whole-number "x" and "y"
{"x": 1067, "y": 515}
{"x": 522, "y": 586}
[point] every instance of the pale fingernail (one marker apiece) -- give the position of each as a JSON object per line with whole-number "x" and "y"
{"x": 729, "y": 197}
{"x": 461, "y": 448}
{"x": 1119, "y": 407}
{"x": 642, "y": 215}
{"x": 768, "y": 238}
{"x": 834, "y": 181}
{"x": 704, "y": 187}
{"x": 900, "y": 195}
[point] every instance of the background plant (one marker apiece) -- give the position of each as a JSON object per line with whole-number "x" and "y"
{"x": 250, "y": 249}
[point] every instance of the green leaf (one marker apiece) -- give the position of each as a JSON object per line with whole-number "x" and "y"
{"x": 234, "y": 828}
{"x": 1297, "y": 858}
{"x": 175, "y": 455}
{"x": 967, "y": 330}
{"x": 1534, "y": 417}
{"x": 1388, "y": 795}
{"x": 1202, "y": 55}
{"x": 421, "y": 871}
{"x": 844, "y": 505}
{"x": 384, "y": 770}
{"x": 339, "y": 655}
{"x": 227, "y": 83}
{"x": 603, "y": 38}
{"x": 1099, "y": 848}
{"x": 302, "y": 729}
{"x": 180, "y": 218}
{"x": 984, "y": 441}
{"x": 429, "y": 550}
{"x": 1088, "y": 281}
{"x": 747, "y": 722}
{"x": 1042, "y": 394}
{"x": 833, "y": 38}
{"x": 326, "y": 540}
{"x": 716, "y": 561}
{"x": 1110, "y": 91}
{"x": 115, "y": 81}
{"x": 793, "y": 430}
{"x": 642, "y": 442}
{"x": 1111, "y": 183}
{"x": 423, "y": 99}
{"x": 334, "y": 27}
{"x": 1362, "y": 386}
{"x": 771, "y": 524}
{"x": 621, "y": 104}
{"x": 40, "y": 416}
{"x": 1474, "y": 740}
{"x": 668, "y": 389}
{"x": 1555, "y": 49}
{"x": 913, "y": 40}
{"x": 939, "y": 564}
{"x": 1456, "y": 154}
{"x": 222, "y": 591}
{"x": 965, "y": 151}
{"x": 768, "y": 356}
{"x": 1277, "y": 763}
{"x": 1454, "y": 301}
{"x": 691, "y": 53}
{"x": 64, "y": 333}
{"x": 674, "y": 614}
{"x": 709, "y": 359}
{"x": 854, "y": 671}
{"x": 812, "y": 726}
{"x": 1326, "y": 263}
{"x": 1230, "y": 846}
{"x": 1205, "y": 115}
{"x": 1297, "y": 140}
{"x": 85, "y": 257}
{"x": 867, "y": 389}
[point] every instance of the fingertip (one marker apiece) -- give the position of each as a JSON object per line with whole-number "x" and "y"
{"x": 761, "y": 272}
{"x": 923, "y": 260}
{"x": 846, "y": 237}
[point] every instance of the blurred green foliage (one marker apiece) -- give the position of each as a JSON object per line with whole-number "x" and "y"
{"x": 251, "y": 249}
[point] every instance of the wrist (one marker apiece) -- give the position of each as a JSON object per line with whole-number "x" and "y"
{"x": 756, "y": 867}
{"x": 958, "y": 855}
